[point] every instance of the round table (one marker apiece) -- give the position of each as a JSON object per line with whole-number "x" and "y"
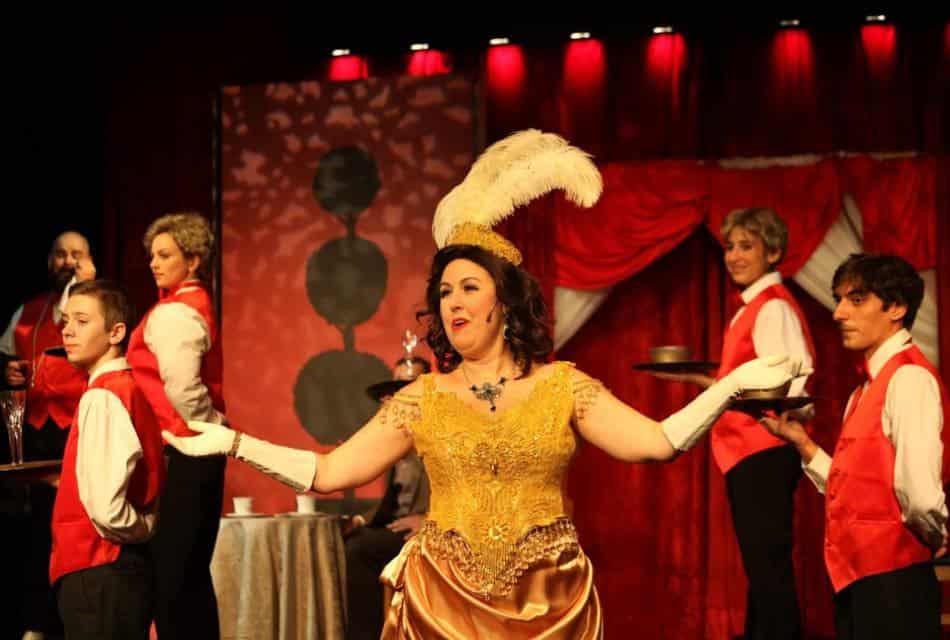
{"x": 280, "y": 577}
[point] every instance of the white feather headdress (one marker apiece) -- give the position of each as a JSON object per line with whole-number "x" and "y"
{"x": 511, "y": 173}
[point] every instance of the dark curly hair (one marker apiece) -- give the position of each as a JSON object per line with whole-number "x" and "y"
{"x": 529, "y": 330}
{"x": 890, "y": 278}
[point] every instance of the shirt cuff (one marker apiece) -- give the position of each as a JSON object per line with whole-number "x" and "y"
{"x": 818, "y": 469}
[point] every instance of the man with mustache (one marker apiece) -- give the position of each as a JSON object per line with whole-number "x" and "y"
{"x": 53, "y": 388}
{"x": 886, "y": 512}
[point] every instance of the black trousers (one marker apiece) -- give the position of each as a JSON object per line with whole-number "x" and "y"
{"x": 109, "y": 602}
{"x": 896, "y": 605}
{"x": 761, "y": 489}
{"x": 189, "y": 514}
{"x": 368, "y": 550}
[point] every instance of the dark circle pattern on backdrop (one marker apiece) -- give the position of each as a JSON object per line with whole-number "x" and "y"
{"x": 346, "y": 182}
{"x": 346, "y": 280}
{"x": 329, "y": 395}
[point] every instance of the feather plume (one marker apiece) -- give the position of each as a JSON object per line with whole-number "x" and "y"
{"x": 511, "y": 173}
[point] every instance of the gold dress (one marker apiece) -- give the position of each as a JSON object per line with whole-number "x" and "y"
{"x": 497, "y": 556}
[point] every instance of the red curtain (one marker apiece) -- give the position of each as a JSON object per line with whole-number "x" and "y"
{"x": 534, "y": 231}
{"x": 898, "y": 203}
{"x": 646, "y": 210}
{"x": 660, "y": 537}
{"x": 809, "y": 199}
{"x": 708, "y": 98}
{"x": 943, "y": 256}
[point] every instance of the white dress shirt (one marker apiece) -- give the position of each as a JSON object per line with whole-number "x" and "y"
{"x": 912, "y": 420}
{"x": 107, "y": 452}
{"x": 777, "y": 328}
{"x": 179, "y": 338}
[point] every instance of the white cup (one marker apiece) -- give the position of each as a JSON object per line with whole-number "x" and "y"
{"x": 306, "y": 504}
{"x": 243, "y": 505}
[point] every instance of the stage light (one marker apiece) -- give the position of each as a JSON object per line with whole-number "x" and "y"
{"x": 791, "y": 22}
{"x": 419, "y": 46}
{"x": 580, "y": 35}
{"x": 662, "y": 29}
{"x": 336, "y": 53}
{"x": 498, "y": 41}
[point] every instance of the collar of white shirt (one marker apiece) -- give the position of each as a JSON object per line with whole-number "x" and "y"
{"x": 895, "y": 344}
{"x": 188, "y": 285}
{"x": 749, "y": 293}
{"x": 118, "y": 364}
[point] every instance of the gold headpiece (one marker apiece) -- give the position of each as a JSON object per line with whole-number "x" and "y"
{"x": 511, "y": 173}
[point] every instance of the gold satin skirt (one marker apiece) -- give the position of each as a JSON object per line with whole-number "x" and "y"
{"x": 427, "y": 599}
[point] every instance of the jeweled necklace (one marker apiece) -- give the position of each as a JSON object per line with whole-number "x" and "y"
{"x": 486, "y": 391}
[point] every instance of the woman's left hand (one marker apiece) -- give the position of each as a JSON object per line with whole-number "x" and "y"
{"x": 768, "y": 372}
{"x": 212, "y": 439}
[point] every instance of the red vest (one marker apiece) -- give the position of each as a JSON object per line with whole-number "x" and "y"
{"x": 58, "y": 385}
{"x": 864, "y": 532}
{"x": 736, "y": 435}
{"x": 76, "y": 543}
{"x": 145, "y": 364}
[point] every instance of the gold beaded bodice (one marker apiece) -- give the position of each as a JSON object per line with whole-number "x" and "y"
{"x": 496, "y": 482}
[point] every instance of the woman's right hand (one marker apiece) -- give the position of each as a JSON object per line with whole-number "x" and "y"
{"x": 212, "y": 439}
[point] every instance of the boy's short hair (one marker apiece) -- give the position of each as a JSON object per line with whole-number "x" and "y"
{"x": 114, "y": 302}
{"x": 764, "y": 223}
{"x": 890, "y": 278}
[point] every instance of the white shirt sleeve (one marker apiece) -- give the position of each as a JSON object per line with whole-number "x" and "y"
{"x": 818, "y": 469}
{"x": 179, "y": 338}
{"x": 912, "y": 421}
{"x": 7, "y": 343}
{"x": 107, "y": 451}
{"x": 778, "y": 330}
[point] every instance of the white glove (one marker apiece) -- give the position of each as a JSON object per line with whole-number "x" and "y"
{"x": 212, "y": 439}
{"x": 294, "y": 467}
{"x": 769, "y": 372}
{"x": 685, "y": 427}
